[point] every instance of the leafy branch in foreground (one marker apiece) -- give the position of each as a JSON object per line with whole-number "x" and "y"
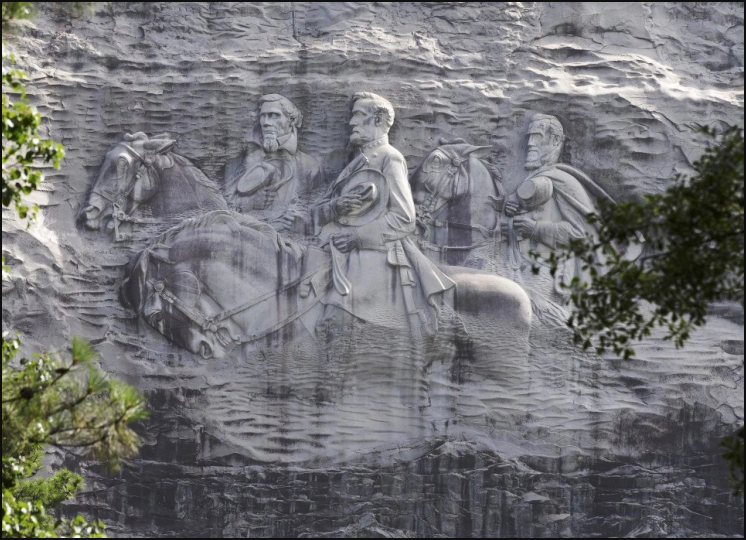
{"x": 693, "y": 256}
{"x": 50, "y": 400}
{"x": 23, "y": 147}
{"x": 694, "y": 239}
{"x": 67, "y": 403}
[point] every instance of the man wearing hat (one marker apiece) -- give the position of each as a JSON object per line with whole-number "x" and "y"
{"x": 366, "y": 221}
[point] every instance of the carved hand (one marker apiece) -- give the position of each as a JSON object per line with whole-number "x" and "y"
{"x": 346, "y": 204}
{"x": 288, "y": 220}
{"x": 511, "y": 208}
{"x": 524, "y": 226}
{"x": 345, "y": 242}
{"x": 505, "y": 227}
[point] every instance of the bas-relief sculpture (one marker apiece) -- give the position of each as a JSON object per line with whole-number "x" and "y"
{"x": 385, "y": 280}
{"x": 363, "y": 261}
{"x": 471, "y": 431}
{"x": 225, "y": 284}
{"x": 282, "y": 273}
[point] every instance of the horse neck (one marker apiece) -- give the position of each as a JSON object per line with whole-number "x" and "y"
{"x": 476, "y": 203}
{"x": 179, "y": 190}
{"x": 238, "y": 264}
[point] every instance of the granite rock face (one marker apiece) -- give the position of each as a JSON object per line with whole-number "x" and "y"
{"x": 370, "y": 426}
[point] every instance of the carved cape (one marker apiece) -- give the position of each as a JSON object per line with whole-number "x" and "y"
{"x": 564, "y": 216}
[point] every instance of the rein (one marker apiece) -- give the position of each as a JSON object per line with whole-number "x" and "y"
{"x": 428, "y": 223}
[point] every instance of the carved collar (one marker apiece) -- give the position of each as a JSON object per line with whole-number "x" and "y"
{"x": 289, "y": 142}
{"x": 375, "y": 144}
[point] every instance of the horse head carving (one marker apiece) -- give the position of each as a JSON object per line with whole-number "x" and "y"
{"x": 214, "y": 282}
{"x": 142, "y": 171}
{"x": 455, "y": 197}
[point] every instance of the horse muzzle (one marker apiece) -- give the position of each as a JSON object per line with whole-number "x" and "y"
{"x": 205, "y": 346}
{"x": 96, "y": 212}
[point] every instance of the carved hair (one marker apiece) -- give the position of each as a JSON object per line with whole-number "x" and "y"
{"x": 229, "y": 218}
{"x": 556, "y": 132}
{"x": 288, "y": 107}
{"x": 383, "y": 109}
{"x": 556, "y": 137}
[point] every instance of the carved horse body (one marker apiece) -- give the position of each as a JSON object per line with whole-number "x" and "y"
{"x": 456, "y": 199}
{"x": 222, "y": 279}
{"x": 142, "y": 172}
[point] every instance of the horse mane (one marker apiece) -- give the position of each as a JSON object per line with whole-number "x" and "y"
{"x": 185, "y": 164}
{"x": 233, "y": 220}
{"x": 198, "y": 176}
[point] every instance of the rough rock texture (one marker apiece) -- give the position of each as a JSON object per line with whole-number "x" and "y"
{"x": 580, "y": 446}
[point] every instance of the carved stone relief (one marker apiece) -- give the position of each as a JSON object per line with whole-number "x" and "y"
{"x": 290, "y": 271}
{"x": 142, "y": 174}
{"x": 272, "y": 178}
{"x": 282, "y": 301}
{"x": 456, "y": 200}
{"x": 222, "y": 282}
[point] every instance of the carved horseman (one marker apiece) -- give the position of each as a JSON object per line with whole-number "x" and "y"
{"x": 379, "y": 273}
{"x": 550, "y": 207}
{"x": 273, "y": 180}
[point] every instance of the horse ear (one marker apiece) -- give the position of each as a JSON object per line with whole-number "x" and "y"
{"x": 139, "y": 136}
{"x": 478, "y": 151}
{"x": 158, "y": 146}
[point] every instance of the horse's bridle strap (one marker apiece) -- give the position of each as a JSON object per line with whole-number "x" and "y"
{"x": 195, "y": 316}
{"x": 227, "y": 314}
{"x": 210, "y": 323}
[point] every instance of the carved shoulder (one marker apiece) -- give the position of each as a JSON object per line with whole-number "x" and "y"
{"x": 392, "y": 157}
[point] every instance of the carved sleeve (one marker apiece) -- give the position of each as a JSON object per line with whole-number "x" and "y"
{"x": 556, "y": 235}
{"x": 573, "y": 204}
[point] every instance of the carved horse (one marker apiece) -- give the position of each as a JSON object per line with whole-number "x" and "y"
{"x": 222, "y": 279}
{"x": 456, "y": 199}
{"x": 142, "y": 172}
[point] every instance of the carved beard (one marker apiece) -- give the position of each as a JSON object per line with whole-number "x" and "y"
{"x": 542, "y": 156}
{"x": 270, "y": 144}
{"x": 533, "y": 160}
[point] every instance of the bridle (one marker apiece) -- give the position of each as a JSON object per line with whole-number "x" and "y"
{"x": 426, "y": 222}
{"x": 215, "y": 322}
{"x": 119, "y": 199}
